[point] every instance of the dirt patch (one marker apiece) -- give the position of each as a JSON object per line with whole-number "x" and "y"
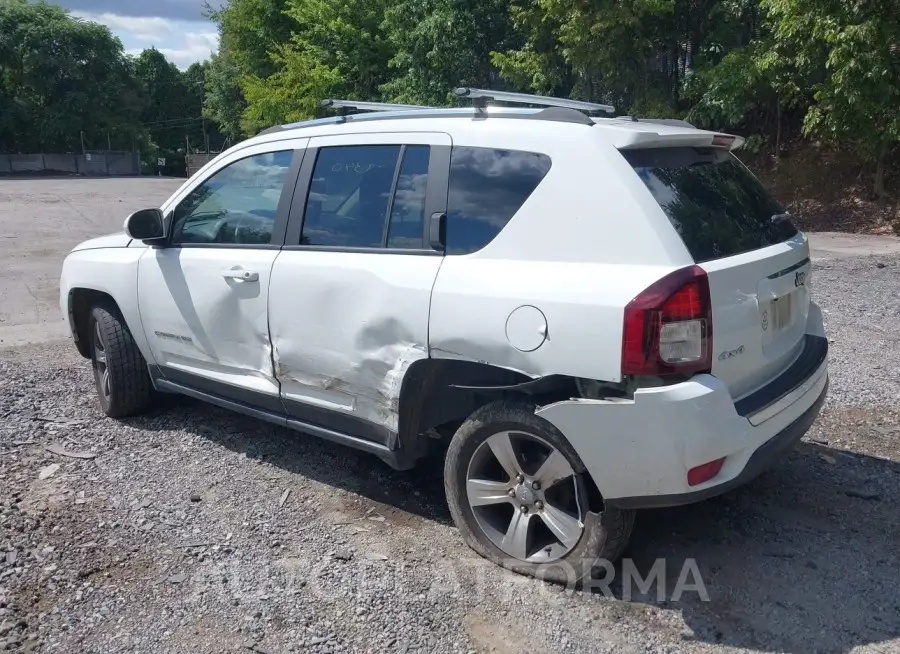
{"x": 827, "y": 189}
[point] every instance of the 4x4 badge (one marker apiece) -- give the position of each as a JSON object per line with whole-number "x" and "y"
{"x": 800, "y": 278}
{"x": 765, "y": 320}
{"x": 730, "y": 354}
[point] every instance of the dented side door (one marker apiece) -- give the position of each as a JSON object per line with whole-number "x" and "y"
{"x": 203, "y": 304}
{"x": 346, "y": 323}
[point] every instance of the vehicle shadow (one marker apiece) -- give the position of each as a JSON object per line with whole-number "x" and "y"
{"x": 419, "y": 492}
{"x": 803, "y": 559}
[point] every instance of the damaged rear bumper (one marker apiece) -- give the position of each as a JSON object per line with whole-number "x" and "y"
{"x": 640, "y": 451}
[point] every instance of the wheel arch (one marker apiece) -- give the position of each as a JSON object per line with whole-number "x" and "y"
{"x": 439, "y": 394}
{"x": 81, "y": 301}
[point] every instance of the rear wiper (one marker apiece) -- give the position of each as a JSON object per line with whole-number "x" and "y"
{"x": 780, "y": 217}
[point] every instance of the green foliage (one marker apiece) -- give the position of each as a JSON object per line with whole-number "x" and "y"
{"x": 291, "y": 94}
{"x": 224, "y": 101}
{"x": 857, "y": 45}
{"x": 439, "y": 45}
{"x": 856, "y": 48}
{"x": 62, "y": 79}
{"x": 59, "y": 76}
{"x": 775, "y": 69}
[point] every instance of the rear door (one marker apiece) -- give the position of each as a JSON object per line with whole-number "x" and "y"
{"x": 350, "y": 293}
{"x": 757, "y": 262}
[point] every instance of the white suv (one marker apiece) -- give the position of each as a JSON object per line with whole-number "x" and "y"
{"x": 598, "y": 314}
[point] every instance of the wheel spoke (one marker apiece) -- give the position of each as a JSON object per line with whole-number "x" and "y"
{"x": 502, "y": 448}
{"x": 565, "y": 527}
{"x": 555, "y": 468}
{"x": 515, "y": 541}
{"x": 104, "y": 383}
{"x": 484, "y": 491}
{"x": 98, "y": 336}
{"x": 100, "y": 356}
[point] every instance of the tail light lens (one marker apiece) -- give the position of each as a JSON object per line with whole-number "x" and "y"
{"x": 668, "y": 327}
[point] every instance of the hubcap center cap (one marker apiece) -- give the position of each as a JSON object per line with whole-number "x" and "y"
{"x": 525, "y": 495}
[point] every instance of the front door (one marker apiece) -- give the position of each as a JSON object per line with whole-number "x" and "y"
{"x": 350, "y": 293}
{"x": 203, "y": 298}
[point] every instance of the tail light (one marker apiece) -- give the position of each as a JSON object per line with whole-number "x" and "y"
{"x": 668, "y": 327}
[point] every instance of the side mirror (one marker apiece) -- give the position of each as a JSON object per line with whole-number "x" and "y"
{"x": 146, "y": 225}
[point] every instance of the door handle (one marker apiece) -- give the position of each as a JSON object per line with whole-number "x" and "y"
{"x": 241, "y": 275}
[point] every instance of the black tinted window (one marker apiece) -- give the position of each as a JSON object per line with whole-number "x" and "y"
{"x": 718, "y": 207}
{"x": 348, "y": 198}
{"x": 408, "y": 207}
{"x": 487, "y": 187}
{"x": 236, "y": 205}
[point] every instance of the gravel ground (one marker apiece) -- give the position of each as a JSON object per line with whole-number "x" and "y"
{"x": 193, "y": 529}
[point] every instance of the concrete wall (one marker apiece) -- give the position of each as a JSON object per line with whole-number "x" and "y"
{"x": 107, "y": 163}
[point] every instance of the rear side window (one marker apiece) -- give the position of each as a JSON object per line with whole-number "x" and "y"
{"x": 487, "y": 188}
{"x": 717, "y": 206}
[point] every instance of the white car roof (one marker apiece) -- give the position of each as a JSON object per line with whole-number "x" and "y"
{"x": 622, "y": 133}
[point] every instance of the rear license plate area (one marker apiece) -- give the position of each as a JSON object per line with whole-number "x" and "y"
{"x": 782, "y": 313}
{"x": 777, "y": 316}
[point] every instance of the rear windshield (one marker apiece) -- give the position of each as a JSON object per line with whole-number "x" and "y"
{"x": 715, "y": 203}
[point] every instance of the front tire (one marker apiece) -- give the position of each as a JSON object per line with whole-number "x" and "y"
{"x": 120, "y": 370}
{"x": 518, "y": 492}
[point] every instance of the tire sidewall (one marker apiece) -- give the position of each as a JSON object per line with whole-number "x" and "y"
{"x": 101, "y": 317}
{"x": 569, "y": 569}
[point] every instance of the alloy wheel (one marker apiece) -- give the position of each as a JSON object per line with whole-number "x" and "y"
{"x": 526, "y": 497}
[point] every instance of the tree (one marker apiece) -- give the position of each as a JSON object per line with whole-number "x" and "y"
{"x": 751, "y": 86}
{"x": 855, "y": 46}
{"x": 336, "y": 47}
{"x": 250, "y": 33}
{"x": 224, "y": 101}
{"x": 59, "y": 77}
{"x": 438, "y": 45}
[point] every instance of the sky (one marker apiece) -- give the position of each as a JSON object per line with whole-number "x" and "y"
{"x": 177, "y": 28}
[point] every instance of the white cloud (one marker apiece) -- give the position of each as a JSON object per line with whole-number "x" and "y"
{"x": 182, "y": 41}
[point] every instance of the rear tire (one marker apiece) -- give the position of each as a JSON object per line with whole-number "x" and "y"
{"x": 120, "y": 370}
{"x": 480, "y": 490}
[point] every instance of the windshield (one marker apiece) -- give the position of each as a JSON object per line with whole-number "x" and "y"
{"x": 717, "y": 206}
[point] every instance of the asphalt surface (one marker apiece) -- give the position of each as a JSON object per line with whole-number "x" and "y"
{"x": 44, "y": 218}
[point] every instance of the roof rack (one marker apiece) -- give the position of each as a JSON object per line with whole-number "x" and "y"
{"x": 483, "y": 96}
{"x": 360, "y": 105}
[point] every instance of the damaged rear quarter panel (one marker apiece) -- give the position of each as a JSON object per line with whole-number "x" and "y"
{"x": 346, "y": 326}
{"x": 475, "y": 295}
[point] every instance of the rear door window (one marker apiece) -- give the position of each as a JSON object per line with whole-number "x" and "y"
{"x": 717, "y": 206}
{"x": 487, "y": 188}
{"x": 408, "y": 206}
{"x": 349, "y": 195}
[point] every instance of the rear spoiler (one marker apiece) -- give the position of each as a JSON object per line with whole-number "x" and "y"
{"x": 686, "y": 138}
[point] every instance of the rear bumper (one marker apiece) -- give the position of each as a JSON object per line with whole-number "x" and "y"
{"x": 761, "y": 460}
{"x": 640, "y": 451}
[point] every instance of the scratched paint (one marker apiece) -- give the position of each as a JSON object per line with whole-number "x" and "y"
{"x": 346, "y": 327}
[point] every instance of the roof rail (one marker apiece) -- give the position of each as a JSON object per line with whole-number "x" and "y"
{"x": 369, "y": 106}
{"x": 483, "y": 96}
